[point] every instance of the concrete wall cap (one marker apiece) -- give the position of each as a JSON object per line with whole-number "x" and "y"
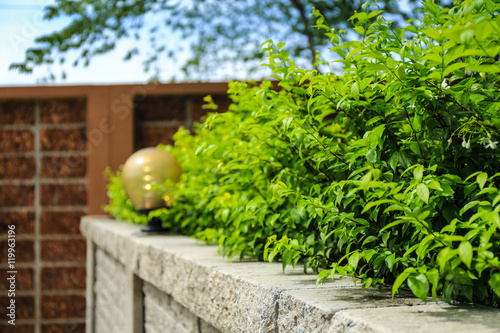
{"x": 260, "y": 297}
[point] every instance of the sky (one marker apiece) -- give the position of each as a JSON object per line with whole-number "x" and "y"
{"x": 21, "y": 22}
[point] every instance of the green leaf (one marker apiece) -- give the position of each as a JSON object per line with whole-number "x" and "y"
{"x": 393, "y": 161}
{"x": 494, "y": 218}
{"x": 468, "y": 206}
{"x": 444, "y": 256}
{"x": 419, "y": 285}
{"x": 355, "y": 91}
{"x": 371, "y": 155}
{"x": 376, "y": 203}
{"x": 370, "y": 239}
{"x": 494, "y": 283}
{"x": 423, "y": 192}
{"x": 465, "y": 253}
{"x": 323, "y": 275}
{"x": 481, "y": 179}
{"x": 390, "y": 261}
{"x": 418, "y": 172}
{"x": 433, "y": 277}
{"x": 401, "y": 278}
{"x": 353, "y": 260}
{"x": 404, "y": 160}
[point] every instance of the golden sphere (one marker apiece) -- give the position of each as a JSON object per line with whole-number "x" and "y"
{"x": 144, "y": 168}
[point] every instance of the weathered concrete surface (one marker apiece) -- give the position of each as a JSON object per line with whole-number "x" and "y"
{"x": 259, "y": 297}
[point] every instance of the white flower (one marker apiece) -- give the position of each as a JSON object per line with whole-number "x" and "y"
{"x": 450, "y": 140}
{"x": 466, "y": 144}
{"x": 492, "y": 144}
{"x": 444, "y": 85}
{"x": 484, "y": 140}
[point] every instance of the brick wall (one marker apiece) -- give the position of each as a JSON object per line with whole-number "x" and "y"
{"x": 43, "y": 193}
{"x": 157, "y": 118}
{"x": 55, "y": 143}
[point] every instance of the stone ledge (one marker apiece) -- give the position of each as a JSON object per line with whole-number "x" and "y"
{"x": 259, "y": 297}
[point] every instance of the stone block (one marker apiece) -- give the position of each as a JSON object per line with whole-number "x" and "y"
{"x": 433, "y": 318}
{"x": 206, "y": 327}
{"x": 164, "y": 314}
{"x": 110, "y": 294}
{"x": 181, "y": 276}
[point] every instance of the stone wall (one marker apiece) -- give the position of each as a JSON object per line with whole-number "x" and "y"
{"x": 168, "y": 283}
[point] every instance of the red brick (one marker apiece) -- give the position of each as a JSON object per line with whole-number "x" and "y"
{"x": 58, "y": 111}
{"x": 20, "y": 195}
{"x": 63, "y": 194}
{"x": 24, "y": 279}
{"x": 23, "y": 250}
{"x": 64, "y": 328}
{"x": 64, "y": 250}
{"x": 12, "y": 141}
{"x": 24, "y": 222}
{"x": 17, "y": 112}
{"x": 63, "y": 278}
{"x": 63, "y": 139}
{"x": 64, "y": 167}
{"x": 60, "y": 222}
{"x": 152, "y": 136}
{"x": 17, "y": 167}
{"x": 198, "y": 112}
{"x": 67, "y": 306}
{"x": 160, "y": 108}
{"x": 19, "y": 328}
{"x": 25, "y": 306}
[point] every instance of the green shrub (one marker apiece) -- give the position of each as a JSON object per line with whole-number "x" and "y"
{"x": 388, "y": 173}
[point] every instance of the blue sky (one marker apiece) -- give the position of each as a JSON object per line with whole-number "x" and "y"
{"x": 21, "y": 22}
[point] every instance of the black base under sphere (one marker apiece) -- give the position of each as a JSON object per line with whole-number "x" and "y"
{"x": 154, "y": 225}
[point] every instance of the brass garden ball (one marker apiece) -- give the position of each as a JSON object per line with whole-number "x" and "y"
{"x": 144, "y": 168}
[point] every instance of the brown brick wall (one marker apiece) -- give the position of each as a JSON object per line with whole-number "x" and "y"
{"x": 43, "y": 192}
{"x": 158, "y": 118}
{"x": 16, "y": 141}
{"x": 51, "y": 150}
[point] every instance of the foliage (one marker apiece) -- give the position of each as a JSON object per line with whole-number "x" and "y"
{"x": 227, "y": 32}
{"x": 388, "y": 173}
